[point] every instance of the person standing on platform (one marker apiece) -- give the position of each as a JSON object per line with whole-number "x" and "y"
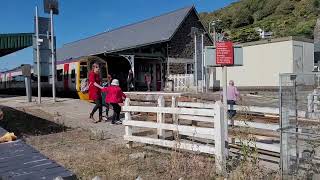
{"x": 147, "y": 79}
{"x": 232, "y": 96}
{"x": 130, "y": 81}
{"x": 115, "y": 96}
{"x": 95, "y": 91}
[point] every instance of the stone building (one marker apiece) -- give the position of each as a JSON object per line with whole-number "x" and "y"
{"x": 160, "y": 46}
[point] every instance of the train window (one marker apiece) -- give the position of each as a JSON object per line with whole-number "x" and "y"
{"x": 73, "y": 74}
{"x": 59, "y": 75}
{"x": 83, "y": 72}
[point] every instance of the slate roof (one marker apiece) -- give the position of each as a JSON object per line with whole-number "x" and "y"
{"x": 151, "y": 31}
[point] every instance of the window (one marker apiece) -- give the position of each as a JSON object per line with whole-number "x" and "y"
{"x": 83, "y": 72}
{"x": 59, "y": 75}
{"x": 73, "y": 75}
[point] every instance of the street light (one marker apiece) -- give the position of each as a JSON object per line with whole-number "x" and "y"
{"x": 52, "y": 7}
{"x": 214, "y": 23}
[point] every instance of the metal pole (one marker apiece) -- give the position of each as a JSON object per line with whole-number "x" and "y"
{"x": 38, "y": 57}
{"x": 195, "y": 62}
{"x": 214, "y": 36}
{"x": 224, "y": 87}
{"x": 53, "y": 74}
{"x": 202, "y": 67}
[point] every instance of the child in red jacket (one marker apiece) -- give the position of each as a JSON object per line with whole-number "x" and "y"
{"x": 114, "y": 96}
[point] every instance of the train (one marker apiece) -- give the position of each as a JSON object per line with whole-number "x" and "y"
{"x": 69, "y": 75}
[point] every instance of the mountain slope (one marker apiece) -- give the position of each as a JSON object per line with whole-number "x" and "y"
{"x": 282, "y": 17}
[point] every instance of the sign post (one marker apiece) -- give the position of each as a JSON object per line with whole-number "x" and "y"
{"x": 26, "y": 72}
{"x": 224, "y": 57}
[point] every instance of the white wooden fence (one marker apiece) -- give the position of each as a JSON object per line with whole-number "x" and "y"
{"x": 182, "y": 82}
{"x": 209, "y": 114}
{"x": 213, "y": 115}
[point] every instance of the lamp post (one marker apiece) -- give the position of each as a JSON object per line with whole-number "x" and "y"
{"x": 52, "y": 7}
{"x": 38, "y": 41}
{"x": 214, "y": 23}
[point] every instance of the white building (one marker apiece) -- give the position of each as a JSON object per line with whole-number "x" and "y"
{"x": 263, "y": 34}
{"x": 263, "y": 61}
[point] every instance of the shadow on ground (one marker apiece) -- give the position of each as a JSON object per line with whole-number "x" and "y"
{"x": 24, "y": 124}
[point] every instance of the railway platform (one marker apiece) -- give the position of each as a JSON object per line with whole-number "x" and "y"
{"x": 72, "y": 113}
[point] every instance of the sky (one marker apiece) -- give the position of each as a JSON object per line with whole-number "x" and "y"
{"x": 83, "y": 18}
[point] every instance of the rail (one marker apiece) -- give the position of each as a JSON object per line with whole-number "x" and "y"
{"x": 207, "y": 124}
{"x": 213, "y": 115}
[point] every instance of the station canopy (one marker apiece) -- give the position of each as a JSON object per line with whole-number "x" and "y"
{"x": 10, "y": 43}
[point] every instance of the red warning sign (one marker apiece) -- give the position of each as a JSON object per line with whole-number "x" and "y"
{"x": 224, "y": 53}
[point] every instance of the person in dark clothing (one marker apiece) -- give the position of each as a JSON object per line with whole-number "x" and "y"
{"x": 130, "y": 81}
{"x": 107, "y": 105}
{"x": 95, "y": 91}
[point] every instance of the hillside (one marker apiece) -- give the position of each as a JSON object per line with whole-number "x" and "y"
{"x": 282, "y": 17}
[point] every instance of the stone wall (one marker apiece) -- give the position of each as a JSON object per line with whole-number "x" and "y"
{"x": 177, "y": 68}
{"x": 182, "y": 43}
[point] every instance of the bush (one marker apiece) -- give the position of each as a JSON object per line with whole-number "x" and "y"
{"x": 269, "y": 8}
{"x": 244, "y": 35}
{"x": 242, "y": 18}
{"x": 286, "y": 7}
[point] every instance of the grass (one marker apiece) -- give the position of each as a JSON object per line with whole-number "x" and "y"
{"x": 88, "y": 157}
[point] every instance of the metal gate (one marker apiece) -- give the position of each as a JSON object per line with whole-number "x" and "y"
{"x": 300, "y": 126}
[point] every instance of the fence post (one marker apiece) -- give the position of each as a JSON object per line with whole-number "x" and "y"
{"x": 174, "y": 105}
{"x": 220, "y": 128}
{"x": 160, "y": 117}
{"x": 175, "y": 120}
{"x": 127, "y": 117}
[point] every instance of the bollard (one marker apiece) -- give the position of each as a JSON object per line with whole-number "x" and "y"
{"x": 28, "y": 88}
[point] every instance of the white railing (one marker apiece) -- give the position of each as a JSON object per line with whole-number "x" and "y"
{"x": 211, "y": 115}
{"x": 207, "y": 123}
{"x": 182, "y": 82}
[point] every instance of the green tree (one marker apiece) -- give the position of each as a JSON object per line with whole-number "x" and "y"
{"x": 286, "y": 7}
{"x": 244, "y": 35}
{"x": 242, "y": 18}
{"x": 269, "y": 8}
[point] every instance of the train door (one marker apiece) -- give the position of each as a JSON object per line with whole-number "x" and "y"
{"x": 66, "y": 77}
{"x": 84, "y": 69}
{"x": 72, "y": 83}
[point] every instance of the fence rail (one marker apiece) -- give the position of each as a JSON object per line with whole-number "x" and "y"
{"x": 182, "y": 82}
{"x": 213, "y": 127}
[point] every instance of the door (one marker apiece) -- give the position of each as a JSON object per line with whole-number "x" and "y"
{"x": 298, "y": 62}
{"x": 66, "y": 77}
{"x": 158, "y": 76}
